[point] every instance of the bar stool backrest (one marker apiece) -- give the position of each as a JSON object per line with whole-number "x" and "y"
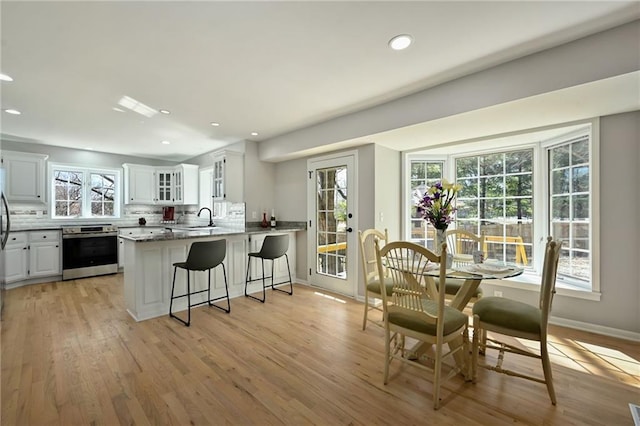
{"x": 274, "y": 246}
{"x": 205, "y": 255}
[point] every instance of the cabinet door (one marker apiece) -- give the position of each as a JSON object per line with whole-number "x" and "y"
{"x": 190, "y": 183}
{"x": 178, "y": 187}
{"x": 16, "y": 267}
{"x": 218, "y": 178}
{"x": 228, "y": 177}
{"x": 44, "y": 259}
{"x": 205, "y": 194}
{"x": 25, "y": 176}
{"x": 120, "y": 253}
{"x": 164, "y": 186}
{"x": 139, "y": 185}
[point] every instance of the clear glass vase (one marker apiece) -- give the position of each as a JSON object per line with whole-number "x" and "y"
{"x": 441, "y": 237}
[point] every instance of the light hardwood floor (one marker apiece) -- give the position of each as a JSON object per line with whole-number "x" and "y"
{"x": 72, "y": 355}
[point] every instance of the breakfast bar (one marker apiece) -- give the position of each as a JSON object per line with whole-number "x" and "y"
{"x": 149, "y": 259}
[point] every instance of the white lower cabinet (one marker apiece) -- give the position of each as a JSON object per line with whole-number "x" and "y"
{"x": 17, "y": 257}
{"x": 44, "y": 253}
{"x": 33, "y": 254}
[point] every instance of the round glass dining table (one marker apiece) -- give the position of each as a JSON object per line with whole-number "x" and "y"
{"x": 472, "y": 274}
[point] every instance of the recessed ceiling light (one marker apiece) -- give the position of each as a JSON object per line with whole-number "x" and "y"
{"x": 254, "y": 133}
{"x": 400, "y": 42}
{"x": 166, "y": 142}
{"x": 214, "y": 124}
{"x": 164, "y": 111}
{"x": 5, "y": 77}
{"x": 12, "y": 111}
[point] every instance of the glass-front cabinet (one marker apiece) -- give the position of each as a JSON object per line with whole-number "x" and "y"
{"x": 228, "y": 176}
{"x": 164, "y": 186}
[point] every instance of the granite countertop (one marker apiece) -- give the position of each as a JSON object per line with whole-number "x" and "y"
{"x": 178, "y": 233}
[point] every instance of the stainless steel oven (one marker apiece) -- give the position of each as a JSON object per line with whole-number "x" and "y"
{"x": 89, "y": 251}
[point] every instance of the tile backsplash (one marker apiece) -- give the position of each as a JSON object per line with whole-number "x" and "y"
{"x": 229, "y": 215}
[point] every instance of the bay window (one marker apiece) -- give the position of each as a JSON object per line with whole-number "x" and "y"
{"x": 516, "y": 191}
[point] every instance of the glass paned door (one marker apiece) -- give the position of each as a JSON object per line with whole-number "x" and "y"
{"x": 332, "y": 251}
{"x": 331, "y": 230}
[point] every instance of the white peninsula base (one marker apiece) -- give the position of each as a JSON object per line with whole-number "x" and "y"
{"x": 148, "y": 271}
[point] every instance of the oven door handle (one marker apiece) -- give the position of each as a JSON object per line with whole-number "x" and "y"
{"x": 104, "y": 234}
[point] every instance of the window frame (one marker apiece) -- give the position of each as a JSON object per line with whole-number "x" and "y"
{"x": 530, "y": 280}
{"x": 86, "y": 190}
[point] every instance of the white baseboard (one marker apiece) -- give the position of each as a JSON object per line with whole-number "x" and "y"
{"x": 595, "y": 328}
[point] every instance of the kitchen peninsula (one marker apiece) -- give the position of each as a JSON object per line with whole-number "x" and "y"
{"x": 149, "y": 259}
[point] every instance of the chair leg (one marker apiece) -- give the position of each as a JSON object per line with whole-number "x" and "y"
{"x": 248, "y": 278}
{"x": 264, "y": 282}
{"x": 226, "y": 288}
{"x": 437, "y": 372}
{"x": 546, "y": 367}
{"x": 188, "y": 298}
{"x": 387, "y": 352}
{"x": 467, "y": 354}
{"x": 475, "y": 347}
{"x": 366, "y": 308}
{"x": 209, "y": 287}
{"x": 290, "y": 292}
{"x": 173, "y": 285}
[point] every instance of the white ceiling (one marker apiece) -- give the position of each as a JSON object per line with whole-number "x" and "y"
{"x": 269, "y": 67}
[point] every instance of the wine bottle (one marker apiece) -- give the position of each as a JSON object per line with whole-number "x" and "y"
{"x": 273, "y": 219}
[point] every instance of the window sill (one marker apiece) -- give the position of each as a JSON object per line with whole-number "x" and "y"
{"x": 531, "y": 282}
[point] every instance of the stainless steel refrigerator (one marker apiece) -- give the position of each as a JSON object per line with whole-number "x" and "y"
{"x": 5, "y": 227}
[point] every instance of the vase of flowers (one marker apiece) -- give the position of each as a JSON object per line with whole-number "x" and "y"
{"x": 435, "y": 206}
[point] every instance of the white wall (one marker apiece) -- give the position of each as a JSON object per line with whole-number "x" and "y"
{"x": 388, "y": 190}
{"x": 259, "y": 186}
{"x": 290, "y": 199}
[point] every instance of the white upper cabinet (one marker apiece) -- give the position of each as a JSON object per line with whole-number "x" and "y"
{"x": 161, "y": 185}
{"x": 164, "y": 186}
{"x": 25, "y": 176}
{"x": 139, "y": 184}
{"x": 228, "y": 176}
{"x": 185, "y": 187}
{"x": 205, "y": 197}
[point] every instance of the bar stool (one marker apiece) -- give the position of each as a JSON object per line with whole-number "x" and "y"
{"x": 203, "y": 256}
{"x": 273, "y": 247}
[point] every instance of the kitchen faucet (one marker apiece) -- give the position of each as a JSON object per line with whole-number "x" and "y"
{"x": 210, "y": 215}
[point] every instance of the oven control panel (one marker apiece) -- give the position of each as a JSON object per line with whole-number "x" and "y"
{"x": 89, "y": 229}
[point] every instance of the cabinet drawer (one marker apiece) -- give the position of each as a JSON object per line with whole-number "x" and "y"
{"x": 129, "y": 231}
{"x": 37, "y": 236}
{"x": 17, "y": 238}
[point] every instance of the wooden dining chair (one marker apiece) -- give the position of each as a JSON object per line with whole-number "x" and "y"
{"x": 372, "y": 286}
{"x": 409, "y": 312}
{"x": 508, "y": 317}
{"x": 462, "y": 244}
